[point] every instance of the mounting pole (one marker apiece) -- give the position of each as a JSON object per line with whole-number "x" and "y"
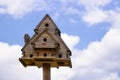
{"x": 46, "y": 71}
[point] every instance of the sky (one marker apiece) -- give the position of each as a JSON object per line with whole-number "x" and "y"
{"x": 90, "y": 28}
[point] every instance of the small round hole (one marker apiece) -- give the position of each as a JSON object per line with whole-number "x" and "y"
{"x": 46, "y": 24}
{"x": 45, "y": 54}
{"x": 45, "y": 39}
{"x": 59, "y": 56}
{"x": 31, "y": 55}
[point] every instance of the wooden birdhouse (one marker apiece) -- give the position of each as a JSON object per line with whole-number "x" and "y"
{"x": 45, "y": 46}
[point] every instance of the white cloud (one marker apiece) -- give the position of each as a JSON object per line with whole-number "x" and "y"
{"x": 70, "y": 40}
{"x": 71, "y": 11}
{"x": 8, "y": 52}
{"x": 10, "y": 66}
{"x": 93, "y": 3}
{"x": 112, "y": 76}
{"x": 95, "y": 16}
{"x": 96, "y": 12}
{"x": 19, "y": 8}
{"x": 100, "y": 60}
{"x": 62, "y": 73}
{"x": 114, "y": 16}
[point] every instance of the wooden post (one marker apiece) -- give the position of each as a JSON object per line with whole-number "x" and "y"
{"x": 46, "y": 71}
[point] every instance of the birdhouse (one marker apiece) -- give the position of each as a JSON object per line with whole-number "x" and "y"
{"x": 45, "y": 46}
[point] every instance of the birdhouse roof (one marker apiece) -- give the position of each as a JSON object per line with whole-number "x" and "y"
{"x": 46, "y": 19}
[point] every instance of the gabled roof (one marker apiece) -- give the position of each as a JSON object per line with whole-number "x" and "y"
{"x": 39, "y": 35}
{"x": 46, "y": 16}
{"x": 33, "y": 39}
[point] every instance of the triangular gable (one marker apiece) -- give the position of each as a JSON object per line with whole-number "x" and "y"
{"x": 43, "y": 23}
{"x": 39, "y": 30}
{"x": 44, "y": 40}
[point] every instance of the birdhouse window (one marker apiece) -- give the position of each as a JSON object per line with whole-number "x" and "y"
{"x": 45, "y": 54}
{"x": 47, "y": 25}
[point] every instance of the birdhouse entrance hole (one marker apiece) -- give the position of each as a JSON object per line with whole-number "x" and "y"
{"x": 45, "y": 54}
{"x": 60, "y": 56}
{"x": 46, "y": 24}
{"x": 31, "y": 55}
{"x": 45, "y": 39}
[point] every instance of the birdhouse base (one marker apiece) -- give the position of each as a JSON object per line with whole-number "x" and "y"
{"x": 36, "y": 61}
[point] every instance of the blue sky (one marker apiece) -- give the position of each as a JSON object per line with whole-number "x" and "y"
{"x": 91, "y": 29}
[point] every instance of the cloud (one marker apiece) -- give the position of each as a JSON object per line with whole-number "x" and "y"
{"x": 98, "y": 15}
{"x": 19, "y": 8}
{"x": 70, "y": 40}
{"x": 8, "y": 52}
{"x": 94, "y": 16}
{"x": 10, "y": 66}
{"x": 71, "y": 11}
{"x": 99, "y": 11}
{"x": 112, "y": 76}
{"x": 100, "y": 60}
{"x": 93, "y": 3}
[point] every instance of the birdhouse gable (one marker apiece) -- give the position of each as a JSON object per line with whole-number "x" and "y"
{"x": 44, "y": 40}
{"x": 46, "y": 23}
